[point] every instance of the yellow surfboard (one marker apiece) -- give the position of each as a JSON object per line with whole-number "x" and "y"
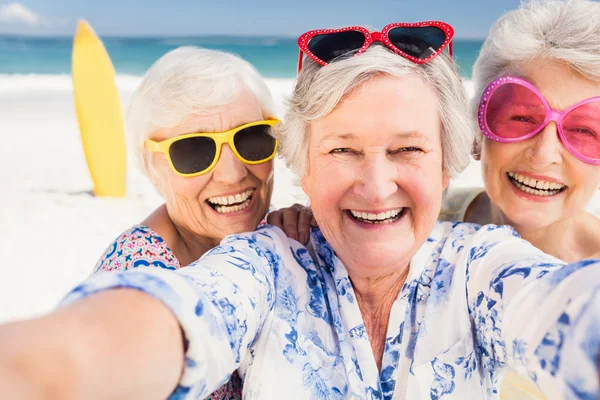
{"x": 99, "y": 113}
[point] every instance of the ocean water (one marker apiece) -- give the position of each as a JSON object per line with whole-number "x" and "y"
{"x": 274, "y": 57}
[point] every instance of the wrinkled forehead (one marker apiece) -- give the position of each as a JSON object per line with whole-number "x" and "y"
{"x": 383, "y": 109}
{"x": 220, "y": 118}
{"x": 557, "y": 81}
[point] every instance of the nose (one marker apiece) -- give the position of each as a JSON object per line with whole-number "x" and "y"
{"x": 229, "y": 170}
{"x": 377, "y": 179}
{"x": 545, "y": 148}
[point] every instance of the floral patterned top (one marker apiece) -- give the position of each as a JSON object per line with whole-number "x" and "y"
{"x": 137, "y": 246}
{"x": 142, "y": 246}
{"x": 454, "y": 207}
{"x": 287, "y": 319}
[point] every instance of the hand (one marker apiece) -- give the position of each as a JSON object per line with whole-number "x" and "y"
{"x": 295, "y": 221}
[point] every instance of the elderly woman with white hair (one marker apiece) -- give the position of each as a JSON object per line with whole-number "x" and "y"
{"x": 384, "y": 302}
{"x": 202, "y": 123}
{"x": 537, "y": 104}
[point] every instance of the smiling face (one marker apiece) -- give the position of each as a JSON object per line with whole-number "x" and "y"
{"x": 374, "y": 177}
{"x": 233, "y": 197}
{"x": 538, "y": 182}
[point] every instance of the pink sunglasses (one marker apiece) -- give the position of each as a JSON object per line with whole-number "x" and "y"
{"x": 512, "y": 110}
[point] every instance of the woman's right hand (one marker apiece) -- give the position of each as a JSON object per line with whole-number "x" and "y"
{"x": 295, "y": 221}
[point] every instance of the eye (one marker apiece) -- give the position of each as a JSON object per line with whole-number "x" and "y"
{"x": 408, "y": 149}
{"x": 342, "y": 150}
{"x": 520, "y": 118}
{"x": 583, "y": 131}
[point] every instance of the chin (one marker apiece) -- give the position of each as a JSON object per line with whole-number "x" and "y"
{"x": 382, "y": 257}
{"x": 529, "y": 220}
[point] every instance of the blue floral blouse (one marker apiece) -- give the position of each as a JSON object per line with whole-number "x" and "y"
{"x": 478, "y": 301}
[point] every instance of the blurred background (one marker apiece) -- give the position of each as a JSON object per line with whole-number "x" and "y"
{"x": 53, "y": 228}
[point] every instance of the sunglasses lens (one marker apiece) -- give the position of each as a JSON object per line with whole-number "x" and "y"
{"x": 192, "y": 155}
{"x": 419, "y": 42}
{"x": 332, "y": 45}
{"x": 255, "y": 143}
{"x": 581, "y": 128}
{"x": 514, "y": 111}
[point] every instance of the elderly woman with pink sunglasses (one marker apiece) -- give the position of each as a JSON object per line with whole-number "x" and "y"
{"x": 537, "y": 104}
{"x": 384, "y": 302}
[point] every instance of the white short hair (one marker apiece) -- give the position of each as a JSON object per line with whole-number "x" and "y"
{"x": 566, "y": 31}
{"x": 185, "y": 82}
{"x": 319, "y": 90}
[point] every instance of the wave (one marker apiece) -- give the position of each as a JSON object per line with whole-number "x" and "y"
{"x": 27, "y": 83}
{"x": 30, "y": 83}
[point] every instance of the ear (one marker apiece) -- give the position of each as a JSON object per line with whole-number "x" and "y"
{"x": 304, "y": 184}
{"x": 476, "y": 149}
{"x": 445, "y": 180}
{"x": 150, "y": 169}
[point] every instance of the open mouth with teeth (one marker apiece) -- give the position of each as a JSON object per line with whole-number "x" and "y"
{"x": 535, "y": 187}
{"x": 231, "y": 203}
{"x": 386, "y": 217}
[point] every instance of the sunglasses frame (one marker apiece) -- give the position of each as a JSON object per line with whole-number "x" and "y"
{"x": 372, "y": 37}
{"x": 551, "y": 115}
{"x": 219, "y": 138}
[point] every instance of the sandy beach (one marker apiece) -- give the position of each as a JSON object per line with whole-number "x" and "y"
{"x": 54, "y": 230}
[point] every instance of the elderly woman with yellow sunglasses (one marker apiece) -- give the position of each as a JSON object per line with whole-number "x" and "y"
{"x": 204, "y": 132}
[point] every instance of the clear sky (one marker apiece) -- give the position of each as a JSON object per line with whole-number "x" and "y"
{"x": 470, "y": 18}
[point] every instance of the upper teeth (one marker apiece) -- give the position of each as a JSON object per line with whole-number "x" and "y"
{"x": 376, "y": 217}
{"x": 536, "y": 183}
{"x": 231, "y": 199}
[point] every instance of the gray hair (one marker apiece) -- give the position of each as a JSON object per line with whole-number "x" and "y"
{"x": 185, "y": 82}
{"x": 319, "y": 90}
{"x": 542, "y": 31}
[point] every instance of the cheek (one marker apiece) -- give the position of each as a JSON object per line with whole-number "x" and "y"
{"x": 190, "y": 189}
{"x": 264, "y": 171}
{"x": 332, "y": 177}
{"x": 427, "y": 197}
{"x": 588, "y": 179}
{"x": 326, "y": 183}
{"x": 497, "y": 157}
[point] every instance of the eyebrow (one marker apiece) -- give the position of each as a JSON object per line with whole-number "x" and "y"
{"x": 350, "y": 136}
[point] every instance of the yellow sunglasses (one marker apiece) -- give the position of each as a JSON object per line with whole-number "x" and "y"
{"x": 195, "y": 154}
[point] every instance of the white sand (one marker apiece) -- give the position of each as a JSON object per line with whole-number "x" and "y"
{"x": 53, "y": 230}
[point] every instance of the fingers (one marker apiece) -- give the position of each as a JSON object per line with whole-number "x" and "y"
{"x": 276, "y": 218}
{"x": 304, "y": 222}
{"x": 295, "y": 221}
{"x": 290, "y": 221}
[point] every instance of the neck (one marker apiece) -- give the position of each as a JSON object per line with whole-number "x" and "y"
{"x": 190, "y": 245}
{"x": 186, "y": 245}
{"x": 375, "y": 297}
{"x": 569, "y": 240}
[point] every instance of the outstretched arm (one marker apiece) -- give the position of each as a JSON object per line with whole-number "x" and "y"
{"x": 535, "y": 314}
{"x": 94, "y": 349}
{"x": 124, "y": 335}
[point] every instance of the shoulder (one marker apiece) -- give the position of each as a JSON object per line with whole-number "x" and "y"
{"x": 137, "y": 246}
{"x": 487, "y": 252}
{"x": 268, "y": 248}
{"x": 266, "y": 242}
{"x": 456, "y": 201}
{"x": 451, "y": 242}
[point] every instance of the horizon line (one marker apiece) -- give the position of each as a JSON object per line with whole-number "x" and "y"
{"x": 168, "y": 36}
